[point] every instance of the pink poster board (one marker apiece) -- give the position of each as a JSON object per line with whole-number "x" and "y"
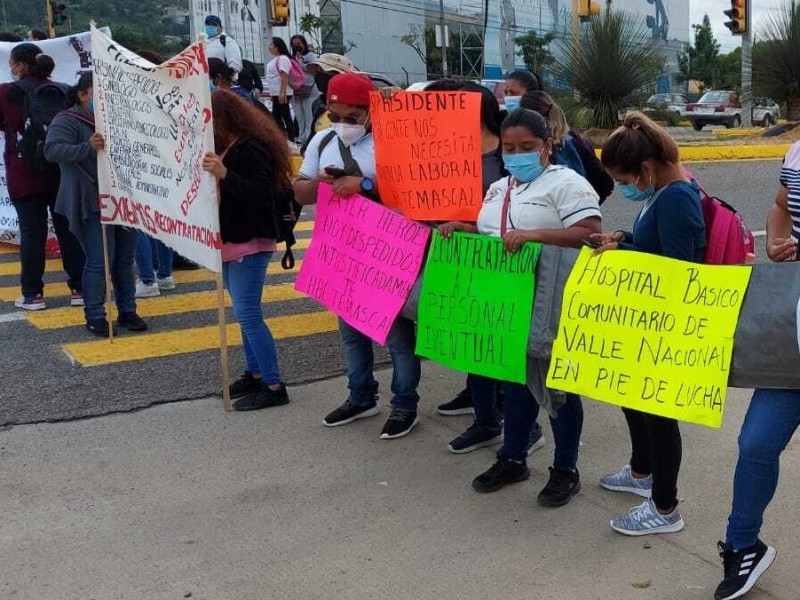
{"x": 362, "y": 262}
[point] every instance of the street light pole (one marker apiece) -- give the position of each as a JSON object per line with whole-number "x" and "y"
{"x": 443, "y": 38}
{"x": 747, "y": 69}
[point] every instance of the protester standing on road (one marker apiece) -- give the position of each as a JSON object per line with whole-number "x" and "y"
{"x": 251, "y": 165}
{"x": 551, "y": 204}
{"x": 33, "y": 190}
{"x": 73, "y": 143}
{"x": 349, "y": 146}
{"x": 222, "y": 46}
{"x": 278, "y": 71}
{"x": 304, "y": 97}
{"x": 643, "y": 159}
{"x": 519, "y": 83}
{"x": 771, "y": 421}
{"x": 572, "y": 150}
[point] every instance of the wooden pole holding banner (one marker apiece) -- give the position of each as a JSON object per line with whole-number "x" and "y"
{"x": 107, "y": 275}
{"x": 223, "y": 346}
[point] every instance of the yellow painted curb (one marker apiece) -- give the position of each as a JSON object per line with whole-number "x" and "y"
{"x": 737, "y": 132}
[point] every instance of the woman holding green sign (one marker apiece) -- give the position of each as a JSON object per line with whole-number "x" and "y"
{"x": 644, "y": 161}
{"x": 551, "y": 204}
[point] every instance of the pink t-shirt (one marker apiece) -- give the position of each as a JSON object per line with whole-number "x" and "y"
{"x": 231, "y": 252}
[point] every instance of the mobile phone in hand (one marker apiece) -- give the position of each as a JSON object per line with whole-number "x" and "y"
{"x": 335, "y": 172}
{"x": 592, "y": 243}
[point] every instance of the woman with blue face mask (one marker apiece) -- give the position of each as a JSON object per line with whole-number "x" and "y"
{"x": 551, "y": 204}
{"x": 643, "y": 159}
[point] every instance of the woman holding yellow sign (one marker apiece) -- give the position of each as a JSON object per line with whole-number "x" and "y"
{"x": 551, "y": 204}
{"x": 643, "y": 159}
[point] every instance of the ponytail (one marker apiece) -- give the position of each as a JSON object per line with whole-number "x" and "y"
{"x": 39, "y": 65}
{"x": 43, "y": 66}
{"x": 544, "y": 104}
{"x": 638, "y": 140}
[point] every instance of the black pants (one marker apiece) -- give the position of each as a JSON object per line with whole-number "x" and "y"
{"x": 283, "y": 117}
{"x": 657, "y": 450}
{"x": 32, "y": 214}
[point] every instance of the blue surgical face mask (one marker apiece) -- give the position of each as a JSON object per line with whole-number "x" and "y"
{"x": 512, "y": 103}
{"x": 212, "y": 31}
{"x": 631, "y": 191}
{"x": 90, "y": 106}
{"x": 212, "y": 86}
{"x": 524, "y": 167}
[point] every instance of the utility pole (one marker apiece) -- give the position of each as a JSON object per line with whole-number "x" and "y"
{"x": 747, "y": 69}
{"x": 443, "y": 38}
{"x": 51, "y": 26}
{"x": 576, "y": 40}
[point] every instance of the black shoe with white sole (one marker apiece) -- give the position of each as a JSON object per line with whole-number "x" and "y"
{"x": 349, "y": 412}
{"x": 399, "y": 424}
{"x": 742, "y": 568}
{"x": 460, "y": 405}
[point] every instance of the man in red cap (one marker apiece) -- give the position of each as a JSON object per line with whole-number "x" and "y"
{"x": 344, "y": 156}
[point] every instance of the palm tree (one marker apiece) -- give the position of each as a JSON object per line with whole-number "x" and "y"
{"x": 614, "y": 60}
{"x": 776, "y": 58}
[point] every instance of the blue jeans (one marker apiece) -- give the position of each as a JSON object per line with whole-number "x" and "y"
{"x": 360, "y": 360}
{"x": 121, "y": 248}
{"x": 520, "y": 412}
{"x": 487, "y": 402}
{"x": 148, "y": 249}
{"x": 772, "y": 418}
{"x": 244, "y": 279}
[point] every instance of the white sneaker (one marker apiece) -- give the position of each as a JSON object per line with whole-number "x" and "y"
{"x": 167, "y": 283}
{"x": 30, "y": 302}
{"x": 147, "y": 290}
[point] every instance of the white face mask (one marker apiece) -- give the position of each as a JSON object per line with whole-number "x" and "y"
{"x": 349, "y": 134}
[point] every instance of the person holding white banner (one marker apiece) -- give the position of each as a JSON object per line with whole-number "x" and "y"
{"x": 32, "y": 182}
{"x": 73, "y": 144}
{"x": 251, "y": 165}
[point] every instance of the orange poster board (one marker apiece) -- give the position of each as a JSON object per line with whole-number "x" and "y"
{"x": 428, "y": 153}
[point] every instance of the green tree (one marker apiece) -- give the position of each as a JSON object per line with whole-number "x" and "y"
{"x": 614, "y": 61}
{"x": 729, "y": 71}
{"x": 423, "y": 42}
{"x": 534, "y": 50}
{"x": 776, "y": 59}
{"x": 700, "y": 62}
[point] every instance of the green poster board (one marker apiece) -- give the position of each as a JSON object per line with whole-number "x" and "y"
{"x": 476, "y": 305}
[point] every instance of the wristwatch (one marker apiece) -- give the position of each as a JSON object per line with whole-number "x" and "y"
{"x": 367, "y": 185}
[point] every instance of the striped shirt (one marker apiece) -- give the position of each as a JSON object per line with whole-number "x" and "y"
{"x": 790, "y": 179}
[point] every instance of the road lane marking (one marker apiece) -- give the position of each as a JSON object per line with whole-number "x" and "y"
{"x": 174, "y": 304}
{"x": 13, "y": 317}
{"x": 11, "y": 293}
{"x": 132, "y": 347}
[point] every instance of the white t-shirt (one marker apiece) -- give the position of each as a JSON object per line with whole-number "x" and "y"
{"x": 279, "y": 64}
{"x": 363, "y": 152}
{"x": 230, "y": 53}
{"x": 557, "y": 199}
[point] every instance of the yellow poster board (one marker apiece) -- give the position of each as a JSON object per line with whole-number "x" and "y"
{"x": 649, "y": 333}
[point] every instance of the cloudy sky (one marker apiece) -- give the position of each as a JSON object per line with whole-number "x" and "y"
{"x": 714, "y": 8}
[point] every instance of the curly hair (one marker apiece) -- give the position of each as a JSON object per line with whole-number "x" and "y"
{"x": 235, "y": 119}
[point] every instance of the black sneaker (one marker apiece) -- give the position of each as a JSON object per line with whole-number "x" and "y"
{"x": 742, "y": 569}
{"x": 263, "y": 398}
{"x": 460, "y": 405}
{"x": 348, "y": 412}
{"x": 246, "y": 384}
{"x": 131, "y": 322}
{"x": 502, "y": 473}
{"x": 475, "y": 437}
{"x": 98, "y": 327}
{"x": 562, "y": 486}
{"x": 399, "y": 424}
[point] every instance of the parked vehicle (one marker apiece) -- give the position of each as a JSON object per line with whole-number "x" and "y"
{"x": 715, "y": 108}
{"x": 672, "y": 102}
{"x": 766, "y": 112}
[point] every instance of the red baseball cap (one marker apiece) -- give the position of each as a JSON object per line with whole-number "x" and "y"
{"x": 350, "y": 88}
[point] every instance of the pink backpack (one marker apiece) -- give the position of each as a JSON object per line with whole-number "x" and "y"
{"x": 729, "y": 241}
{"x": 297, "y": 75}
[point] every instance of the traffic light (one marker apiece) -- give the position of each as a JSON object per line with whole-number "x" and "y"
{"x": 279, "y": 12}
{"x": 738, "y": 17}
{"x": 587, "y": 9}
{"x": 59, "y": 11}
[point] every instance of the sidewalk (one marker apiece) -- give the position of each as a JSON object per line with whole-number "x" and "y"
{"x": 184, "y": 500}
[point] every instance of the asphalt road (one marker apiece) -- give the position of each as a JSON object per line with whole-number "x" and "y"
{"x": 41, "y": 382}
